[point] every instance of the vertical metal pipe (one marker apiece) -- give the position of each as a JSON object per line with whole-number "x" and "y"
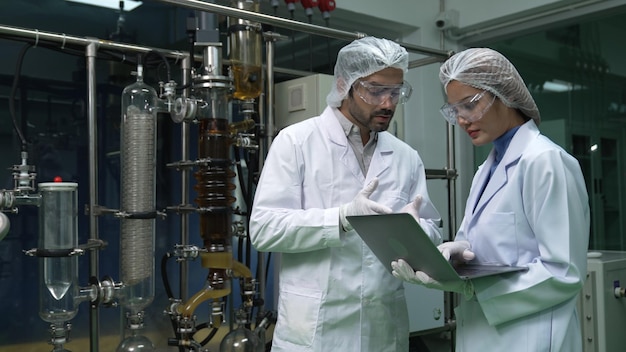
{"x": 269, "y": 123}
{"x": 270, "y": 92}
{"x": 90, "y": 53}
{"x": 184, "y": 182}
{"x": 452, "y": 173}
{"x": 451, "y": 182}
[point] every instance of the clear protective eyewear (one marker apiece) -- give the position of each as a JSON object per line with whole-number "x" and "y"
{"x": 375, "y": 94}
{"x": 469, "y": 109}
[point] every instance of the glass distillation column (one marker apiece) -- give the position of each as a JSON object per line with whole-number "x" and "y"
{"x": 137, "y": 197}
{"x": 246, "y": 47}
{"x": 209, "y": 109}
{"x": 58, "y": 237}
{"x": 214, "y": 185}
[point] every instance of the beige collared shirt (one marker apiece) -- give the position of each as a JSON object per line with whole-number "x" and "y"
{"x": 362, "y": 152}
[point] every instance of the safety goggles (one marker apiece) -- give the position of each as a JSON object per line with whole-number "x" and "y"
{"x": 375, "y": 94}
{"x": 471, "y": 109}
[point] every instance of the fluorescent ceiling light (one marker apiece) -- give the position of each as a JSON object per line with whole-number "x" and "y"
{"x": 559, "y": 86}
{"x": 110, "y": 4}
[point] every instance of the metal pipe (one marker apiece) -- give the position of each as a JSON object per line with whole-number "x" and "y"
{"x": 291, "y": 24}
{"x": 65, "y": 40}
{"x": 269, "y": 127}
{"x": 91, "y": 53}
{"x": 557, "y": 12}
{"x": 184, "y": 182}
{"x": 426, "y": 61}
{"x": 270, "y": 46}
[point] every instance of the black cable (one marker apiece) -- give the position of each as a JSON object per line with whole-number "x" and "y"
{"x": 163, "y": 59}
{"x": 209, "y": 336}
{"x": 164, "y": 277}
{"x": 16, "y": 79}
{"x": 168, "y": 291}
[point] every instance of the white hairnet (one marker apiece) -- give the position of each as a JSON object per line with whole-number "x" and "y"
{"x": 362, "y": 58}
{"x": 487, "y": 69}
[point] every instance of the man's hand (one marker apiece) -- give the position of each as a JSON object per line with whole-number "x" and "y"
{"x": 413, "y": 208}
{"x": 362, "y": 205}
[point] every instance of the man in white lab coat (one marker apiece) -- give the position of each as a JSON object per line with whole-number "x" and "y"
{"x": 334, "y": 295}
{"x": 528, "y": 206}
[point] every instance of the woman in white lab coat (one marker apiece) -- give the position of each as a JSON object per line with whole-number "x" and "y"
{"x": 334, "y": 295}
{"x": 527, "y": 206}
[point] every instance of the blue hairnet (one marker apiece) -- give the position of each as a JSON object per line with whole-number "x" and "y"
{"x": 487, "y": 69}
{"x": 362, "y": 58}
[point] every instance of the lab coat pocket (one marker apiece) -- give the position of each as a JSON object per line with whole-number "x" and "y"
{"x": 494, "y": 239}
{"x": 395, "y": 199}
{"x": 298, "y": 316}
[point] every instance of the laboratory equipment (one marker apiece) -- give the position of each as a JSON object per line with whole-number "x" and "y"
{"x": 138, "y": 172}
{"x": 241, "y": 339}
{"x": 246, "y": 47}
{"x": 58, "y": 240}
{"x": 209, "y": 109}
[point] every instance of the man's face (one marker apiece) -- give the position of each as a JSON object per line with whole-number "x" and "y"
{"x": 370, "y": 105}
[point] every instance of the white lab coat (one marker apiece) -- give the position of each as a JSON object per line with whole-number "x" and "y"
{"x": 334, "y": 294}
{"x": 534, "y": 212}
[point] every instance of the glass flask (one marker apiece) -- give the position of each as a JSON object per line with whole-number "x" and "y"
{"x": 135, "y": 343}
{"x": 241, "y": 340}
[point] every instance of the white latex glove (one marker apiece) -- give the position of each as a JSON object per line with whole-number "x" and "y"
{"x": 456, "y": 250}
{"x": 362, "y": 205}
{"x": 403, "y": 271}
{"x": 413, "y": 208}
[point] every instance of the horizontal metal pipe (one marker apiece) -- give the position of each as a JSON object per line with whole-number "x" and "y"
{"x": 65, "y": 39}
{"x": 291, "y": 24}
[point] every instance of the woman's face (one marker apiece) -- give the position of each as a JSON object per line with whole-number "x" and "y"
{"x": 486, "y": 118}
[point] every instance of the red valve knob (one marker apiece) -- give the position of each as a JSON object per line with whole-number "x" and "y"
{"x": 326, "y": 5}
{"x": 307, "y": 4}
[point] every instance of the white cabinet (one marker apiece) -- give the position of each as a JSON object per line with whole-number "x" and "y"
{"x": 602, "y": 313}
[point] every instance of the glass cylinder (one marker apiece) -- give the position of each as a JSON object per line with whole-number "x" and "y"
{"x": 246, "y": 47}
{"x": 138, "y": 193}
{"x": 58, "y": 236}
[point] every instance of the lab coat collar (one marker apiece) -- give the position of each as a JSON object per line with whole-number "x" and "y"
{"x": 380, "y": 160}
{"x": 522, "y": 138}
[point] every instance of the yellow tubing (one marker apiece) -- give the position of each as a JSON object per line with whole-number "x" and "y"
{"x": 217, "y": 260}
{"x": 201, "y": 296}
{"x": 240, "y": 270}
